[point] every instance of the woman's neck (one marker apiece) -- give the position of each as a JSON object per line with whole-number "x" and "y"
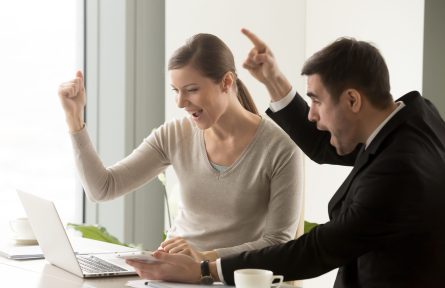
{"x": 228, "y": 138}
{"x": 233, "y": 124}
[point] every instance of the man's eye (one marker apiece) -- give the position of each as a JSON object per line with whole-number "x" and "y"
{"x": 175, "y": 90}
{"x": 191, "y": 90}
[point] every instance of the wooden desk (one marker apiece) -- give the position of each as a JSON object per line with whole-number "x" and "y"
{"x": 40, "y": 274}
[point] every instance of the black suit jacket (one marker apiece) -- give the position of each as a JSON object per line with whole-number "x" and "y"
{"x": 387, "y": 219}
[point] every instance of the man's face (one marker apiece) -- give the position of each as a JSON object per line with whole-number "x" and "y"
{"x": 336, "y": 118}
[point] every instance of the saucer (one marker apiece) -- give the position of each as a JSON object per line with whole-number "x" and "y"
{"x": 24, "y": 241}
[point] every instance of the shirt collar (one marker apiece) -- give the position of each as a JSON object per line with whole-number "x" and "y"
{"x": 371, "y": 137}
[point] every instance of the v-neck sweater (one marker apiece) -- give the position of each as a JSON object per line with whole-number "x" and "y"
{"x": 254, "y": 203}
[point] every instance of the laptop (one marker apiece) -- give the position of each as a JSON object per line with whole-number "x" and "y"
{"x": 57, "y": 248}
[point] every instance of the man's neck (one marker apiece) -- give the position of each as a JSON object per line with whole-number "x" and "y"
{"x": 378, "y": 119}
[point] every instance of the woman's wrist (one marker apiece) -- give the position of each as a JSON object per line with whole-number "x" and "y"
{"x": 210, "y": 255}
{"x": 75, "y": 124}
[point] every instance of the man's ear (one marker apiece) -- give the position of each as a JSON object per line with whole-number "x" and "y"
{"x": 354, "y": 100}
{"x": 227, "y": 81}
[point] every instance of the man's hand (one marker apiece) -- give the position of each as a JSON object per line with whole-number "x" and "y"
{"x": 171, "y": 267}
{"x": 260, "y": 62}
{"x": 262, "y": 65}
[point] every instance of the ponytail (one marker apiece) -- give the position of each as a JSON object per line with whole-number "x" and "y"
{"x": 245, "y": 98}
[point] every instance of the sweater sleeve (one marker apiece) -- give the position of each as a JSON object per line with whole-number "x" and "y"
{"x": 284, "y": 208}
{"x": 106, "y": 183}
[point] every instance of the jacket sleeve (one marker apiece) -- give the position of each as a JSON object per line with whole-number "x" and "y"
{"x": 293, "y": 119}
{"x": 385, "y": 201}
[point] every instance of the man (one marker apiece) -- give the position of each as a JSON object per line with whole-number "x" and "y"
{"x": 387, "y": 219}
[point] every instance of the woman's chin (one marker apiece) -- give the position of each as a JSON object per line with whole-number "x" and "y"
{"x": 202, "y": 125}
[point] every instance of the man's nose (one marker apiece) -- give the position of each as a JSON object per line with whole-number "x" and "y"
{"x": 312, "y": 115}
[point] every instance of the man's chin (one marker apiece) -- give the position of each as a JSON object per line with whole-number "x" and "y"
{"x": 338, "y": 149}
{"x": 342, "y": 151}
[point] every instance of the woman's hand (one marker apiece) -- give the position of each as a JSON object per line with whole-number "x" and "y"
{"x": 179, "y": 245}
{"x": 174, "y": 268}
{"x": 72, "y": 97}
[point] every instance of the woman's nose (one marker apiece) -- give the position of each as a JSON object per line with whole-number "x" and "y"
{"x": 180, "y": 101}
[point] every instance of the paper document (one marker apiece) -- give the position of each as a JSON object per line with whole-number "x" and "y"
{"x": 161, "y": 284}
{"x": 17, "y": 252}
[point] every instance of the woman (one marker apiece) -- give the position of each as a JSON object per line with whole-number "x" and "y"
{"x": 238, "y": 172}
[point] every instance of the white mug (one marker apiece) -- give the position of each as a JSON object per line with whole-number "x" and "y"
{"x": 21, "y": 229}
{"x": 256, "y": 278}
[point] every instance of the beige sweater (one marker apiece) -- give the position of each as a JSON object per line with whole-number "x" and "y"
{"x": 255, "y": 203}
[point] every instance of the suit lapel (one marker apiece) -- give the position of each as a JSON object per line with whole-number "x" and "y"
{"x": 412, "y": 101}
{"x": 364, "y": 156}
{"x": 360, "y": 161}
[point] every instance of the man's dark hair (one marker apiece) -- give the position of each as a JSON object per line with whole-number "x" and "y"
{"x": 348, "y": 63}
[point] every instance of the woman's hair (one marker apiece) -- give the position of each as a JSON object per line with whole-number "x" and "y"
{"x": 213, "y": 59}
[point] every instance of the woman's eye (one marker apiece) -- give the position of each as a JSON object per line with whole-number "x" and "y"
{"x": 191, "y": 90}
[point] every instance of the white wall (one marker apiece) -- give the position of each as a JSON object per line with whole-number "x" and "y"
{"x": 225, "y": 19}
{"x": 396, "y": 31}
{"x": 396, "y": 28}
{"x": 295, "y": 30}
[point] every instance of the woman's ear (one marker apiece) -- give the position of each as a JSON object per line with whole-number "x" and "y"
{"x": 227, "y": 81}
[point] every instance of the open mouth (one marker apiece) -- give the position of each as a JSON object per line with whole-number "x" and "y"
{"x": 196, "y": 114}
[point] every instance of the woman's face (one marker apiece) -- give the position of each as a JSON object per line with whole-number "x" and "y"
{"x": 203, "y": 99}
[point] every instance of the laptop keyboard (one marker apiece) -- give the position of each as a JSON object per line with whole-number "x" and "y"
{"x": 93, "y": 264}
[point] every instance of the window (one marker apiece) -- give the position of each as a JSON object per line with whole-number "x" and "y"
{"x": 41, "y": 46}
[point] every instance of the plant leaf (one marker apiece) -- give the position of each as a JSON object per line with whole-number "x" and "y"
{"x": 96, "y": 233}
{"x": 308, "y": 226}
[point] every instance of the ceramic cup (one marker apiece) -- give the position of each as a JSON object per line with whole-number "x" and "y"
{"x": 21, "y": 230}
{"x": 256, "y": 278}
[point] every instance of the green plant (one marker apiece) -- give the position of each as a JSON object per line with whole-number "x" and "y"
{"x": 308, "y": 226}
{"x": 96, "y": 232}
